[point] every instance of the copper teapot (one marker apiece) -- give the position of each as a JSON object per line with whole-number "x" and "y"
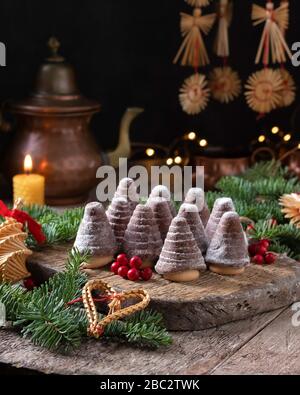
{"x": 53, "y": 127}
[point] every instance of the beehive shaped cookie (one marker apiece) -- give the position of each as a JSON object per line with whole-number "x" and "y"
{"x": 221, "y": 206}
{"x": 95, "y": 236}
{"x": 162, "y": 214}
{"x": 161, "y": 191}
{"x": 118, "y": 214}
{"x": 142, "y": 237}
{"x": 196, "y": 196}
{"x": 181, "y": 259}
{"x": 228, "y": 251}
{"x": 191, "y": 214}
{"x": 13, "y": 252}
{"x": 127, "y": 189}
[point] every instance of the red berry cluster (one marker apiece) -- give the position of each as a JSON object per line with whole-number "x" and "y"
{"x": 131, "y": 269}
{"x": 259, "y": 253}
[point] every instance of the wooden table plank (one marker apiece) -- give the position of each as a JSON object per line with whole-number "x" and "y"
{"x": 275, "y": 350}
{"x": 191, "y": 352}
{"x": 212, "y": 300}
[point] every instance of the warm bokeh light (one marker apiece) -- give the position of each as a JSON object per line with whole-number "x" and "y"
{"x": 178, "y": 160}
{"x": 262, "y": 138}
{"x": 299, "y": 146}
{"x": 169, "y": 161}
{"x": 275, "y": 130}
{"x": 192, "y": 136}
{"x": 150, "y": 152}
{"x": 28, "y": 164}
{"x": 203, "y": 143}
{"x": 287, "y": 137}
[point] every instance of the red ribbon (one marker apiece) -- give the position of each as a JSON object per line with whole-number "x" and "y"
{"x": 24, "y": 218}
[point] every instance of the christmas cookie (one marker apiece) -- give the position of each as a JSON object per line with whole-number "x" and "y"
{"x": 142, "y": 237}
{"x": 95, "y": 235}
{"x": 196, "y": 196}
{"x": 118, "y": 215}
{"x": 163, "y": 192}
{"x": 127, "y": 190}
{"x": 227, "y": 253}
{"x": 221, "y": 206}
{"x": 190, "y": 213}
{"x": 181, "y": 259}
{"x": 162, "y": 214}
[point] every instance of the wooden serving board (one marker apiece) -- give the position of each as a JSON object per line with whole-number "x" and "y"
{"x": 211, "y": 301}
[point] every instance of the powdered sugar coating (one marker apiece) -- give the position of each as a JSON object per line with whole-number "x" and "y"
{"x": 221, "y": 206}
{"x": 162, "y": 214}
{"x": 127, "y": 189}
{"x": 228, "y": 246}
{"x": 95, "y": 233}
{"x": 180, "y": 251}
{"x": 190, "y": 213}
{"x": 142, "y": 237}
{"x": 196, "y": 196}
{"x": 118, "y": 215}
{"x": 163, "y": 192}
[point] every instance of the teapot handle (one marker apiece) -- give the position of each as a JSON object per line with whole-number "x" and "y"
{"x": 262, "y": 149}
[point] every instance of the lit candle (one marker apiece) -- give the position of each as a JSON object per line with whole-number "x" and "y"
{"x": 29, "y": 187}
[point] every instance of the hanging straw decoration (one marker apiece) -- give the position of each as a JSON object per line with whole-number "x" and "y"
{"x": 272, "y": 42}
{"x": 192, "y": 51}
{"x": 225, "y": 84}
{"x": 265, "y": 88}
{"x": 288, "y": 88}
{"x": 288, "y": 94}
{"x": 198, "y": 3}
{"x": 194, "y": 94}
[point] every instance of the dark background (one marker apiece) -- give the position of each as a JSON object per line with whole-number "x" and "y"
{"x": 122, "y": 51}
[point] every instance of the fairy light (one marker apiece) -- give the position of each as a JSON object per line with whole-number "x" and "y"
{"x": 287, "y": 137}
{"x": 203, "y": 143}
{"x": 178, "y": 160}
{"x": 192, "y": 136}
{"x": 169, "y": 161}
{"x": 150, "y": 152}
{"x": 275, "y": 130}
{"x": 262, "y": 138}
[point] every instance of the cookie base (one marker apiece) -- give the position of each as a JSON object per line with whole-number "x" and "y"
{"x": 226, "y": 271}
{"x": 96, "y": 262}
{"x": 187, "y": 275}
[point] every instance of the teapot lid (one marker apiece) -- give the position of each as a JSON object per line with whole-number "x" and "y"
{"x": 56, "y": 89}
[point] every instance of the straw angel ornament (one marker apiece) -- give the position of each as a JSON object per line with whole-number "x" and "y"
{"x": 264, "y": 88}
{"x": 225, "y": 84}
{"x": 194, "y": 94}
{"x": 288, "y": 93}
{"x": 198, "y": 3}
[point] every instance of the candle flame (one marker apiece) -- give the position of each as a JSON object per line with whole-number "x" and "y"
{"x": 28, "y": 164}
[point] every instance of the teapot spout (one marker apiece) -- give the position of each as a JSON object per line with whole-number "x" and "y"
{"x": 123, "y": 149}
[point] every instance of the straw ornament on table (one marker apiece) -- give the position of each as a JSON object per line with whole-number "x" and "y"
{"x": 269, "y": 89}
{"x": 194, "y": 94}
{"x": 225, "y": 84}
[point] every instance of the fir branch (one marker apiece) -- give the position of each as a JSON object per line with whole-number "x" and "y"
{"x": 44, "y": 316}
{"x": 143, "y": 329}
{"x": 58, "y": 228}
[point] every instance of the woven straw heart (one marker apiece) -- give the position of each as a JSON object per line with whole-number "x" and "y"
{"x": 116, "y": 312}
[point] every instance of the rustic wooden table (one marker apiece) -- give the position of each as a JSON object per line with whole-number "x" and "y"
{"x": 265, "y": 344}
